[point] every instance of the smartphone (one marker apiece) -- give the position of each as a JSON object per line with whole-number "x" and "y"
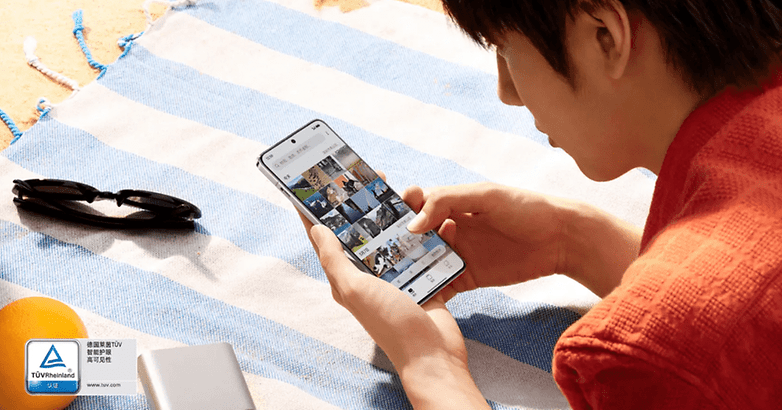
{"x": 331, "y": 185}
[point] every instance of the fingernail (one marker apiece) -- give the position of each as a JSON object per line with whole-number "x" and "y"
{"x": 417, "y": 223}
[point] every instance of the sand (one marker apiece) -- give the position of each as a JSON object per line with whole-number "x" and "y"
{"x": 51, "y": 24}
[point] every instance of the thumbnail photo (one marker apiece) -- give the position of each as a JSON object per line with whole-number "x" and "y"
{"x": 381, "y": 217}
{"x": 318, "y": 204}
{"x": 380, "y": 190}
{"x": 350, "y": 211}
{"x": 301, "y": 188}
{"x": 394, "y": 250}
{"x": 384, "y": 217}
{"x": 334, "y": 220}
{"x": 334, "y": 194}
{"x": 362, "y": 231}
{"x": 363, "y": 172}
{"x": 346, "y": 157}
{"x": 348, "y": 183}
{"x": 365, "y": 201}
{"x": 384, "y": 258}
{"x": 340, "y": 230}
{"x": 330, "y": 166}
{"x": 316, "y": 177}
{"x": 397, "y": 207}
{"x": 378, "y": 263}
{"x": 352, "y": 239}
{"x": 369, "y": 226}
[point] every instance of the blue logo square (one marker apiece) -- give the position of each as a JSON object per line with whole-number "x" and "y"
{"x": 52, "y": 366}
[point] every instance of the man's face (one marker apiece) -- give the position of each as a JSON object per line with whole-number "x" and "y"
{"x": 591, "y": 123}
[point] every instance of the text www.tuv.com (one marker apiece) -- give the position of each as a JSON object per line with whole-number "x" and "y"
{"x": 104, "y": 384}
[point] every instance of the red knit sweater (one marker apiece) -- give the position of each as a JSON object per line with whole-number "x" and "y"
{"x": 697, "y": 320}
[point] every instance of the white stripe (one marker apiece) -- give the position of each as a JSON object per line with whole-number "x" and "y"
{"x": 556, "y": 290}
{"x": 266, "y": 393}
{"x": 274, "y": 394}
{"x": 502, "y": 157}
{"x": 511, "y": 382}
{"x": 200, "y": 150}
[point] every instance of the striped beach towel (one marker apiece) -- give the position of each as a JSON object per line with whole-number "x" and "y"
{"x": 187, "y": 111}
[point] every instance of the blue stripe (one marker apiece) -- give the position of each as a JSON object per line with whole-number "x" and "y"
{"x": 526, "y": 332}
{"x": 158, "y": 306}
{"x": 137, "y": 402}
{"x": 262, "y": 231}
{"x": 184, "y": 92}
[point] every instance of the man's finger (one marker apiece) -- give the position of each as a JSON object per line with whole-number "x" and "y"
{"x": 330, "y": 252}
{"x": 451, "y": 202}
{"x": 414, "y": 198}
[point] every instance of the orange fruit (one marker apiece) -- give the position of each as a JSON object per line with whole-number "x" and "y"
{"x": 20, "y": 321}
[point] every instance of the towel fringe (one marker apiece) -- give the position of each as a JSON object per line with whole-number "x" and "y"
{"x": 78, "y": 31}
{"x": 11, "y": 126}
{"x": 29, "y": 52}
{"x": 43, "y": 107}
{"x": 125, "y": 43}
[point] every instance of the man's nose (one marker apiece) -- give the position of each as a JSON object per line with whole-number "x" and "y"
{"x": 506, "y": 89}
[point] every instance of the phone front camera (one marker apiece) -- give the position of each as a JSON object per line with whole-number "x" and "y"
{"x": 293, "y": 141}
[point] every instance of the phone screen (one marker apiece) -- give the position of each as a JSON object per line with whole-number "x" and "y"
{"x": 332, "y": 185}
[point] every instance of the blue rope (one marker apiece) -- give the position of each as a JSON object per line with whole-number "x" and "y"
{"x": 125, "y": 43}
{"x": 11, "y": 126}
{"x": 78, "y": 31}
{"x": 42, "y": 109}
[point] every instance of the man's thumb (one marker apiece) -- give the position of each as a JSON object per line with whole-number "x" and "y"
{"x": 329, "y": 249}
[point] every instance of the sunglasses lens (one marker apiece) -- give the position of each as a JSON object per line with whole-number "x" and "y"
{"x": 157, "y": 202}
{"x": 163, "y": 204}
{"x": 58, "y": 190}
{"x": 54, "y": 189}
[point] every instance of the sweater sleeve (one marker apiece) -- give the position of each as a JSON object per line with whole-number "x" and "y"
{"x": 594, "y": 379}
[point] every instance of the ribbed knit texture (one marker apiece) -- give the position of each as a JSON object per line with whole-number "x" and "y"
{"x": 697, "y": 320}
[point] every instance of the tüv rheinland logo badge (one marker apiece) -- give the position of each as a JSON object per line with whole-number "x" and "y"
{"x": 52, "y": 366}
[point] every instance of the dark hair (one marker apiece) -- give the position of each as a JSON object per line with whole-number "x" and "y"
{"x": 713, "y": 43}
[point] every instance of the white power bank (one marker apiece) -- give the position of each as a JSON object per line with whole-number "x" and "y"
{"x": 204, "y": 377}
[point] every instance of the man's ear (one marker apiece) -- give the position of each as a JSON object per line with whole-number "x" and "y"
{"x": 613, "y": 36}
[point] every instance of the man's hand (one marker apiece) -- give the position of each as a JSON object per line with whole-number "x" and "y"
{"x": 504, "y": 235}
{"x": 424, "y": 343}
{"x": 507, "y": 236}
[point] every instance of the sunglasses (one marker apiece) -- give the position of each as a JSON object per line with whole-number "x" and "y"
{"x": 66, "y": 200}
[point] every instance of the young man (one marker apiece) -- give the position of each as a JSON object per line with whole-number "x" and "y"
{"x": 692, "y": 308}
